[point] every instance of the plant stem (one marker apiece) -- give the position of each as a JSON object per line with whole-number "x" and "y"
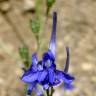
{"x": 52, "y": 90}
{"x": 47, "y": 91}
{"x": 38, "y": 42}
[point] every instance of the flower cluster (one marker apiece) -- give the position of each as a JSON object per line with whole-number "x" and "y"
{"x": 44, "y": 71}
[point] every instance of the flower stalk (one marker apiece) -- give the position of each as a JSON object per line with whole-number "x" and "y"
{"x": 47, "y": 91}
{"x": 52, "y": 91}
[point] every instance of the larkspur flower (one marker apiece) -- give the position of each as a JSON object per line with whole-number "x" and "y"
{"x": 44, "y": 71}
{"x": 34, "y": 75}
{"x": 54, "y": 75}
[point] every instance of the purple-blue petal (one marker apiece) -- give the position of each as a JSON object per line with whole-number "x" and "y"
{"x": 30, "y": 88}
{"x": 38, "y": 91}
{"x": 33, "y": 66}
{"x": 48, "y": 55}
{"x": 34, "y": 59}
{"x": 52, "y": 44}
{"x": 40, "y": 66}
{"x": 68, "y": 86}
{"x": 29, "y": 77}
{"x": 69, "y": 77}
{"x": 51, "y": 75}
{"x": 45, "y": 86}
{"x": 56, "y": 82}
{"x": 64, "y": 76}
{"x": 42, "y": 75}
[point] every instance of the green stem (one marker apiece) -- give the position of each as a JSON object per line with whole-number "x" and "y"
{"x": 47, "y": 11}
{"x": 38, "y": 6}
{"x": 52, "y": 91}
{"x": 47, "y": 91}
{"x": 38, "y": 42}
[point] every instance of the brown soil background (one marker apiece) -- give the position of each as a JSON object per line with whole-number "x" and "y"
{"x": 76, "y": 29}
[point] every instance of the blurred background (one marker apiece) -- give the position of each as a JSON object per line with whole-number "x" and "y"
{"x": 76, "y": 28}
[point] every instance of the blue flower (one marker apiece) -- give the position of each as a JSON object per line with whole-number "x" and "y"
{"x": 44, "y": 71}
{"x": 55, "y": 75}
{"x": 34, "y": 75}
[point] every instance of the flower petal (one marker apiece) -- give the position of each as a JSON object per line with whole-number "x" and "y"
{"x": 29, "y": 77}
{"x": 38, "y": 91}
{"x": 34, "y": 59}
{"x": 67, "y": 61}
{"x": 33, "y": 66}
{"x": 30, "y": 88}
{"x": 51, "y": 75}
{"x": 46, "y": 86}
{"x": 56, "y": 82}
{"x": 53, "y": 35}
{"x": 69, "y": 77}
{"x": 64, "y": 76}
{"x": 48, "y": 55}
{"x": 42, "y": 75}
{"x": 68, "y": 86}
{"x": 40, "y": 66}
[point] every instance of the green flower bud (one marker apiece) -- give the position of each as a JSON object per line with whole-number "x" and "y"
{"x": 35, "y": 25}
{"x": 24, "y": 54}
{"x": 50, "y": 2}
